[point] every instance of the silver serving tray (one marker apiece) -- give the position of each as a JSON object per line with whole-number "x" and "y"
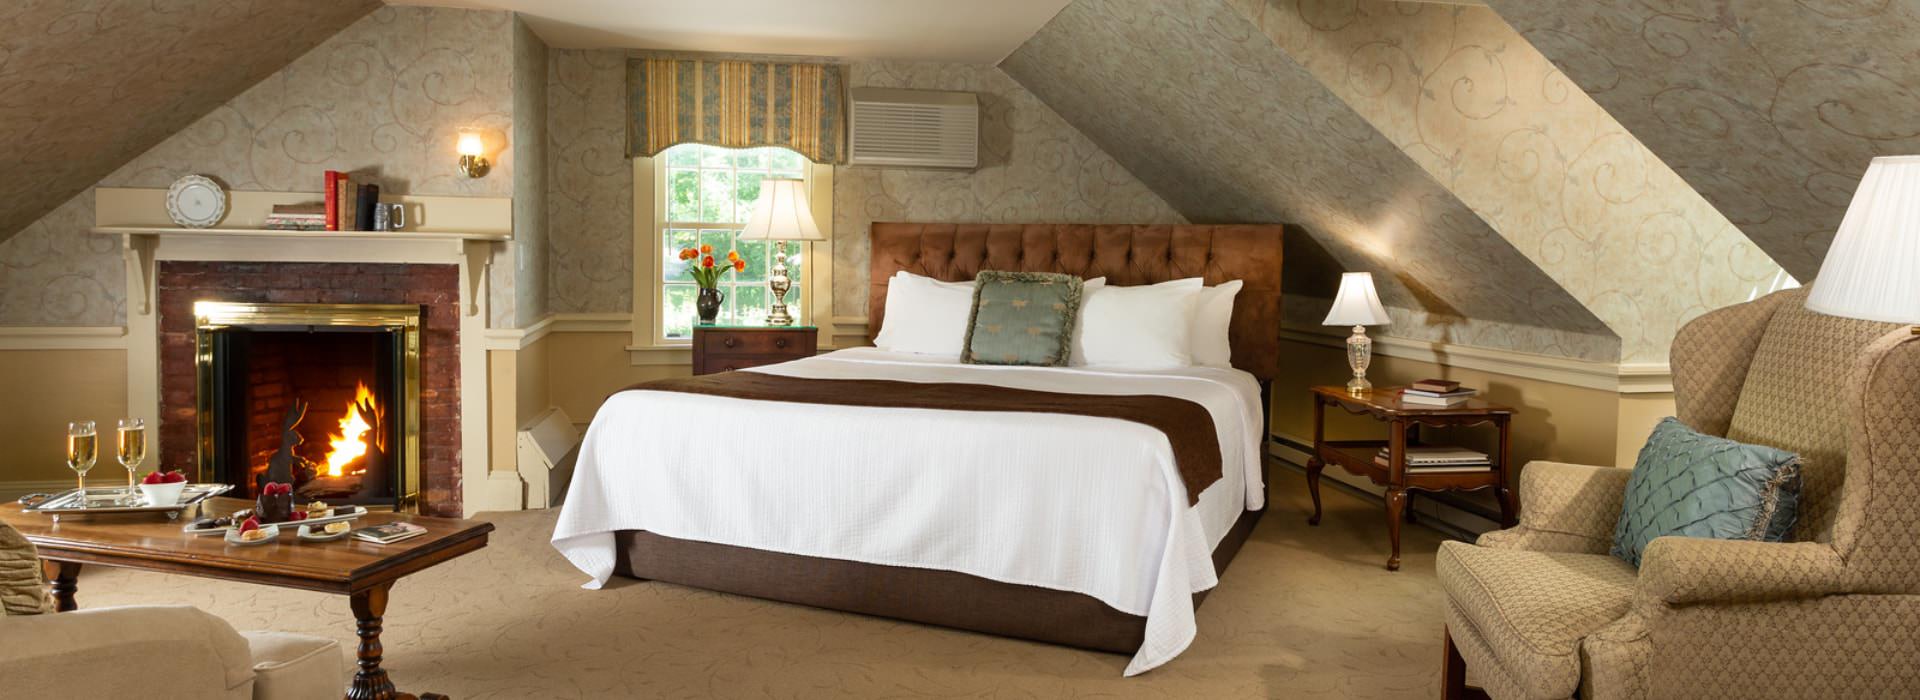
{"x": 101, "y": 500}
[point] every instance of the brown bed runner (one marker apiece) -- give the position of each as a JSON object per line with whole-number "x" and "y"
{"x": 1187, "y": 425}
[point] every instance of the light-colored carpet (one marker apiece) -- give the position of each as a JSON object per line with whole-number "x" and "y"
{"x": 1302, "y": 613}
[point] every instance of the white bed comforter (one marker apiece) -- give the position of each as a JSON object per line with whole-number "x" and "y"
{"x": 1087, "y": 505}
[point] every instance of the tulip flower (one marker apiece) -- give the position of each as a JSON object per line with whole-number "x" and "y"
{"x": 739, "y": 265}
{"x": 708, "y": 262}
{"x": 705, "y": 249}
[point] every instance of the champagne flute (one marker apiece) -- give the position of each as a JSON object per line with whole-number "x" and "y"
{"x": 83, "y": 447}
{"x": 133, "y": 450}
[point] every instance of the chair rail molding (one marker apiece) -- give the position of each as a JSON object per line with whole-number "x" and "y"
{"x": 63, "y": 338}
{"x": 1625, "y": 378}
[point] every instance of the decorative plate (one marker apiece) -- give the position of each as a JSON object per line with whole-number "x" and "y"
{"x": 196, "y": 202}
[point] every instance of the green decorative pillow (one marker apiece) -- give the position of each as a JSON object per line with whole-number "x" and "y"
{"x": 1695, "y": 485}
{"x": 1022, "y": 318}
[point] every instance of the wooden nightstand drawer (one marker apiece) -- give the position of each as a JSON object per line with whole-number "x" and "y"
{"x": 729, "y": 348}
{"x": 755, "y": 342}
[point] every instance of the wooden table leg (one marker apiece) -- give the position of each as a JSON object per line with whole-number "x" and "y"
{"x": 1396, "y": 509}
{"x": 1314, "y": 467}
{"x": 65, "y": 577}
{"x": 370, "y": 682}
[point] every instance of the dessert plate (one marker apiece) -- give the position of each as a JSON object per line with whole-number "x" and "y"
{"x": 273, "y": 533}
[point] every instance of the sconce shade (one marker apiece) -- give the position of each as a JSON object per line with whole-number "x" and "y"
{"x": 469, "y": 144}
{"x": 782, "y": 213}
{"x": 1357, "y": 304}
{"x": 1872, "y": 272}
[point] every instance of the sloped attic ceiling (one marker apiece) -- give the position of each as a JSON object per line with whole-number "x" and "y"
{"x": 1194, "y": 100}
{"x": 89, "y": 84}
{"x": 1771, "y": 109}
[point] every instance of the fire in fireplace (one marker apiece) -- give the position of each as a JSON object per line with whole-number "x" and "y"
{"x": 321, "y": 396}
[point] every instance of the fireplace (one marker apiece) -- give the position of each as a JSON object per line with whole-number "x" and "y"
{"x": 323, "y": 396}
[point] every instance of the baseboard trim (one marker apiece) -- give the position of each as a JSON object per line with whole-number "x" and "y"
{"x": 1625, "y": 378}
{"x": 63, "y": 338}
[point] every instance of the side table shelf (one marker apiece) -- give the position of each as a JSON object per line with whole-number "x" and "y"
{"x": 1403, "y": 423}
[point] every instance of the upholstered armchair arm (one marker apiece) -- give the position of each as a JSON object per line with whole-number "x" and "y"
{"x": 1565, "y": 508}
{"x": 1690, "y": 570}
{"x": 139, "y": 651}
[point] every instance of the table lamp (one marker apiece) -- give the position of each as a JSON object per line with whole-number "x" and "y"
{"x": 780, "y": 215}
{"x": 1872, "y": 272}
{"x": 1358, "y": 305}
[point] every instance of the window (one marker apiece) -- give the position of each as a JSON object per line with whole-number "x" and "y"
{"x": 706, "y": 195}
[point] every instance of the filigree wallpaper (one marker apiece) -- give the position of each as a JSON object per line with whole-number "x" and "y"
{"x": 89, "y": 84}
{"x": 1466, "y": 97}
{"x": 1770, "y": 108}
{"x": 590, "y": 183}
{"x": 386, "y": 97}
{"x": 1034, "y": 168}
{"x": 1212, "y": 115}
{"x": 529, "y": 250}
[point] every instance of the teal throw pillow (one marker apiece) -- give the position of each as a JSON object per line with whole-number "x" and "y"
{"x": 1694, "y": 485}
{"x": 1022, "y": 318}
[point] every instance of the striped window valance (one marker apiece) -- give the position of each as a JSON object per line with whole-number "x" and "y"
{"x": 736, "y": 104}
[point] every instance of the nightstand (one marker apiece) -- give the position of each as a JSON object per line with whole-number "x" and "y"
{"x": 1404, "y": 421}
{"x": 728, "y": 348}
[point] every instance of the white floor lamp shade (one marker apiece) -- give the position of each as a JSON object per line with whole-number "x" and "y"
{"x": 1872, "y": 271}
{"x": 1358, "y": 305}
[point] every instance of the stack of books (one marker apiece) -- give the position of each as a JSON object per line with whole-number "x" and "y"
{"x": 298, "y": 217}
{"x": 349, "y": 205}
{"x": 1438, "y": 460}
{"x": 1438, "y": 393}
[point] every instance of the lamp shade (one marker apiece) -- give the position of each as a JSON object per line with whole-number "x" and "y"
{"x": 1872, "y": 271}
{"x": 782, "y": 213}
{"x": 1357, "y": 304}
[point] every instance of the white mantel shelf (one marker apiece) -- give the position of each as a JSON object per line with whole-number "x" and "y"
{"x": 279, "y": 233}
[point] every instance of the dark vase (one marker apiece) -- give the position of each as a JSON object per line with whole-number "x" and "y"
{"x": 708, "y": 304}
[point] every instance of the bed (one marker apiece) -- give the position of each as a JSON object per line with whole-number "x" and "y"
{"x": 1060, "y": 528}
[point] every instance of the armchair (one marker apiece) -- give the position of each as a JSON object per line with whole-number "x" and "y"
{"x": 146, "y": 651}
{"x": 1542, "y": 611}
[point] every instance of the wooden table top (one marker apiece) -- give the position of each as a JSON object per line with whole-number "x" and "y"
{"x": 150, "y": 541}
{"x": 1386, "y": 401}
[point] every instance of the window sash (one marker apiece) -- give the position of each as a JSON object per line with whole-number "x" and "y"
{"x": 663, "y": 287}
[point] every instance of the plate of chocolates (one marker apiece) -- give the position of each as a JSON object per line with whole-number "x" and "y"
{"x": 276, "y": 506}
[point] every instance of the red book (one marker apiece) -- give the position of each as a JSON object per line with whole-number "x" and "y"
{"x": 333, "y": 202}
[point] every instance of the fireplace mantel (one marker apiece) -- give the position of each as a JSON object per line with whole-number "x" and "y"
{"x": 485, "y": 227}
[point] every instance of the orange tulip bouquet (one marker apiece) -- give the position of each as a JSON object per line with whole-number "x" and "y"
{"x": 701, "y": 266}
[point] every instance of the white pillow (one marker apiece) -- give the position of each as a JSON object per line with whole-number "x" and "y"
{"x": 1213, "y": 313}
{"x": 1146, "y": 327}
{"x": 926, "y": 316}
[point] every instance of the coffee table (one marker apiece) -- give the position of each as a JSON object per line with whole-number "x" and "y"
{"x": 362, "y": 571}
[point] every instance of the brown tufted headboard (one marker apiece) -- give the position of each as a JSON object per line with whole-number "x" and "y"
{"x": 1124, "y": 254}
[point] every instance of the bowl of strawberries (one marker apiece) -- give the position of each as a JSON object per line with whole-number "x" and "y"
{"x": 163, "y": 488}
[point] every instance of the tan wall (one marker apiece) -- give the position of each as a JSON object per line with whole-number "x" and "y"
{"x": 40, "y": 391}
{"x": 587, "y": 367}
{"x": 1553, "y": 421}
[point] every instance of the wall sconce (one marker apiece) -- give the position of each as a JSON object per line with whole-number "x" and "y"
{"x": 471, "y": 162}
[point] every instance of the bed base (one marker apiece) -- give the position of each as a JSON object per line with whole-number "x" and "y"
{"x": 928, "y": 596}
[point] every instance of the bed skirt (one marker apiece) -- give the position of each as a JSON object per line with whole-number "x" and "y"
{"x": 929, "y": 596}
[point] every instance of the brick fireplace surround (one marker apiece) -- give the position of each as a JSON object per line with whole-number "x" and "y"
{"x": 436, "y": 288}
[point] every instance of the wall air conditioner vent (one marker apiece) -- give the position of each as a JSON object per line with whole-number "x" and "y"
{"x": 914, "y": 128}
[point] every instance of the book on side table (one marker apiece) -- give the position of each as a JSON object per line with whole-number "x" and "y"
{"x": 389, "y": 533}
{"x": 1438, "y": 393}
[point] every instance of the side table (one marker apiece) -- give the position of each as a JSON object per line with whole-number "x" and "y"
{"x": 1403, "y": 423}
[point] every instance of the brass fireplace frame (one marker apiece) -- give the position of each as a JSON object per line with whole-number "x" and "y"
{"x": 212, "y": 316}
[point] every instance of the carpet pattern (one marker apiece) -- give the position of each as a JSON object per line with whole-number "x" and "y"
{"x": 1302, "y": 613}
